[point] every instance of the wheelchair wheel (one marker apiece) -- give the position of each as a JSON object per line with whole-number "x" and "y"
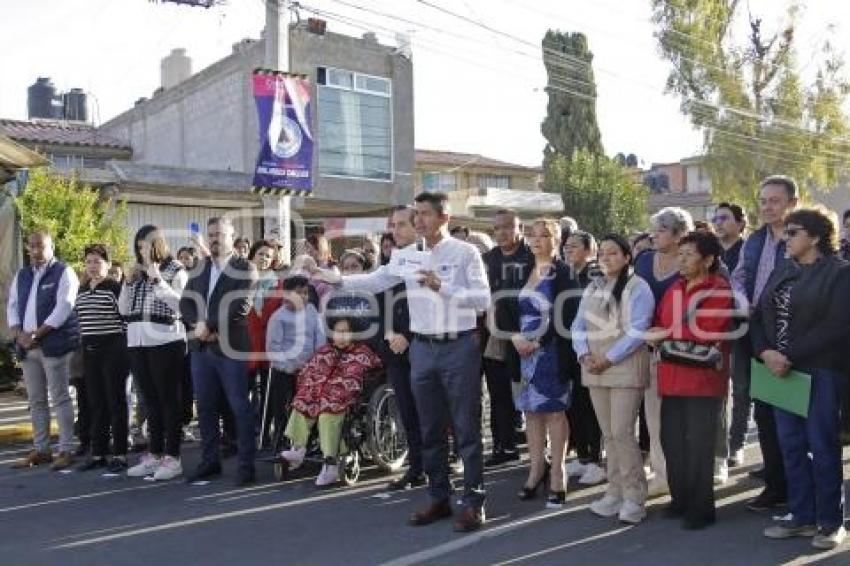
{"x": 281, "y": 470}
{"x": 350, "y": 468}
{"x": 387, "y": 442}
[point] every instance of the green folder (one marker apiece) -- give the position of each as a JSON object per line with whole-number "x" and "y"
{"x": 791, "y": 392}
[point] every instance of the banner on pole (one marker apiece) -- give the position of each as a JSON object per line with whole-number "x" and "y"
{"x": 284, "y": 165}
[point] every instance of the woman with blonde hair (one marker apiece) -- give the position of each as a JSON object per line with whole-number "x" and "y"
{"x": 547, "y": 362}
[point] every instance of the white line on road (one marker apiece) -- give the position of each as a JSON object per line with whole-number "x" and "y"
{"x": 79, "y": 497}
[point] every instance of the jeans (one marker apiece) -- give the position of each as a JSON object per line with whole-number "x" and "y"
{"x": 43, "y": 374}
{"x": 216, "y": 377}
{"x": 446, "y": 383}
{"x": 815, "y": 484}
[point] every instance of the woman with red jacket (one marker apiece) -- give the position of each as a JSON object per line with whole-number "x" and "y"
{"x": 694, "y": 313}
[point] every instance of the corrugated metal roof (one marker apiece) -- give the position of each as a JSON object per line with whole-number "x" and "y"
{"x": 59, "y": 133}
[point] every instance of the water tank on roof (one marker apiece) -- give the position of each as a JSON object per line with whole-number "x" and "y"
{"x": 75, "y": 105}
{"x": 175, "y": 68}
{"x": 40, "y": 98}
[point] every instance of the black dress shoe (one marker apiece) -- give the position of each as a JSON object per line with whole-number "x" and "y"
{"x": 556, "y": 499}
{"x": 407, "y": 481}
{"x": 92, "y": 464}
{"x": 434, "y": 512}
{"x": 765, "y": 501}
{"x": 528, "y": 493}
{"x": 117, "y": 465}
{"x": 204, "y": 471}
{"x": 246, "y": 477}
{"x": 501, "y": 457}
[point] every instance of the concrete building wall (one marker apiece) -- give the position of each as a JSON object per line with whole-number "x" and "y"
{"x": 209, "y": 120}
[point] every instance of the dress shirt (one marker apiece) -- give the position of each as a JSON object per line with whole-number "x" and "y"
{"x": 293, "y": 336}
{"x": 215, "y": 272}
{"x": 640, "y": 312}
{"x": 66, "y": 295}
{"x": 464, "y": 290}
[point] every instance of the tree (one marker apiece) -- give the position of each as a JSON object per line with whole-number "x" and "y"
{"x": 74, "y": 214}
{"x": 570, "y": 122}
{"x": 601, "y": 195}
{"x": 748, "y": 95}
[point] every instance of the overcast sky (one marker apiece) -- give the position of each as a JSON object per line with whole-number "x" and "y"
{"x": 475, "y": 90}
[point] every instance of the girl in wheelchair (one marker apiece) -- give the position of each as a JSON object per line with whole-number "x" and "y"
{"x": 327, "y": 386}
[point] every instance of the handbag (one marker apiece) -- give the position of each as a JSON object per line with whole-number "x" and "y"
{"x": 690, "y": 353}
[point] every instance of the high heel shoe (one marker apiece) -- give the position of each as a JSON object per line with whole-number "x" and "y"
{"x": 529, "y": 493}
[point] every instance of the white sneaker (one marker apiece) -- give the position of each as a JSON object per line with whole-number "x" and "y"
{"x": 593, "y": 474}
{"x": 608, "y": 506}
{"x": 574, "y": 469}
{"x": 828, "y": 541}
{"x": 721, "y": 471}
{"x": 657, "y": 488}
{"x": 328, "y": 476}
{"x": 295, "y": 456}
{"x": 737, "y": 458}
{"x": 147, "y": 466}
{"x": 169, "y": 469}
{"x": 632, "y": 513}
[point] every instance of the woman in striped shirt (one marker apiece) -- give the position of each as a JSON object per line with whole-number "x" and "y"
{"x": 104, "y": 360}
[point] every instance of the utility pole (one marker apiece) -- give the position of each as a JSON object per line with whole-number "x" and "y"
{"x": 277, "y": 210}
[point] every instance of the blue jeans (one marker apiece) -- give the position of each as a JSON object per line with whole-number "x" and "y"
{"x": 215, "y": 377}
{"x": 446, "y": 383}
{"x": 814, "y": 484}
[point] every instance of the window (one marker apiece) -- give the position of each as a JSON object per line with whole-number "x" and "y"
{"x": 436, "y": 181}
{"x": 355, "y": 125}
{"x": 494, "y": 182}
{"x": 67, "y": 162}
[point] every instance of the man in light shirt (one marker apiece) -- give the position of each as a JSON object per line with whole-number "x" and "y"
{"x": 444, "y": 300}
{"x": 46, "y": 331}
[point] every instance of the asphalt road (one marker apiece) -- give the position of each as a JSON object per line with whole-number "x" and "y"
{"x": 85, "y": 519}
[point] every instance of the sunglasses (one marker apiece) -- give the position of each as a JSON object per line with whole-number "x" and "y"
{"x": 720, "y": 218}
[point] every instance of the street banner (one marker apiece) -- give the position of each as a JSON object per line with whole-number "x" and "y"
{"x": 284, "y": 165}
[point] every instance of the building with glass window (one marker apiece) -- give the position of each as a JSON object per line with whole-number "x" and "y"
{"x": 195, "y": 142}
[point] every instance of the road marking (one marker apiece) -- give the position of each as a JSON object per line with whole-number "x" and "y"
{"x": 78, "y": 497}
{"x": 216, "y": 517}
{"x": 574, "y": 543}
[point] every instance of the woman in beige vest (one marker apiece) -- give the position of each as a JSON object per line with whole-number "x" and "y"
{"x": 615, "y": 311}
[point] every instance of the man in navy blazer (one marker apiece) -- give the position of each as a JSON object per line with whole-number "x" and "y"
{"x": 214, "y": 307}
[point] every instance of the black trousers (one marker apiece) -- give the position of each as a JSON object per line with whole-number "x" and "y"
{"x": 398, "y": 375}
{"x": 499, "y": 376}
{"x": 774, "y": 468}
{"x": 280, "y": 390}
{"x": 158, "y": 371}
{"x": 106, "y": 370}
{"x": 187, "y": 395}
{"x": 585, "y": 435}
{"x": 688, "y": 434}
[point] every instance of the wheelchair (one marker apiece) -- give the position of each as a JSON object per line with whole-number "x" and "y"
{"x": 371, "y": 432}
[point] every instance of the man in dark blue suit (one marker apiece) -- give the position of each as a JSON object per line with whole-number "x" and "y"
{"x": 214, "y": 308}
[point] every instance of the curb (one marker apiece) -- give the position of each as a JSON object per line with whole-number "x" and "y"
{"x": 21, "y": 432}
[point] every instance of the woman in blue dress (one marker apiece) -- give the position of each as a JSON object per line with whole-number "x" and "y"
{"x": 547, "y": 361}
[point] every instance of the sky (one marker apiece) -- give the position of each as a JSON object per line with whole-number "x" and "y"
{"x": 476, "y": 90}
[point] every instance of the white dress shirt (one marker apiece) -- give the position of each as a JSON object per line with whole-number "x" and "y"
{"x": 216, "y": 269}
{"x": 464, "y": 289}
{"x": 66, "y": 295}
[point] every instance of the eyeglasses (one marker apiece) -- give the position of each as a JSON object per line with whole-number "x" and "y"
{"x": 720, "y": 218}
{"x": 791, "y": 232}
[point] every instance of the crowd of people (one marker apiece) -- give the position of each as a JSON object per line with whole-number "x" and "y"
{"x": 613, "y": 359}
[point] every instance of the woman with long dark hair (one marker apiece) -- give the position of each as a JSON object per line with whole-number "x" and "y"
{"x": 156, "y": 341}
{"x": 608, "y": 339}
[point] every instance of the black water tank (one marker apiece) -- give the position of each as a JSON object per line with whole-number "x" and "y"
{"x": 75, "y": 106}
{"x": 40, "y": 97}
